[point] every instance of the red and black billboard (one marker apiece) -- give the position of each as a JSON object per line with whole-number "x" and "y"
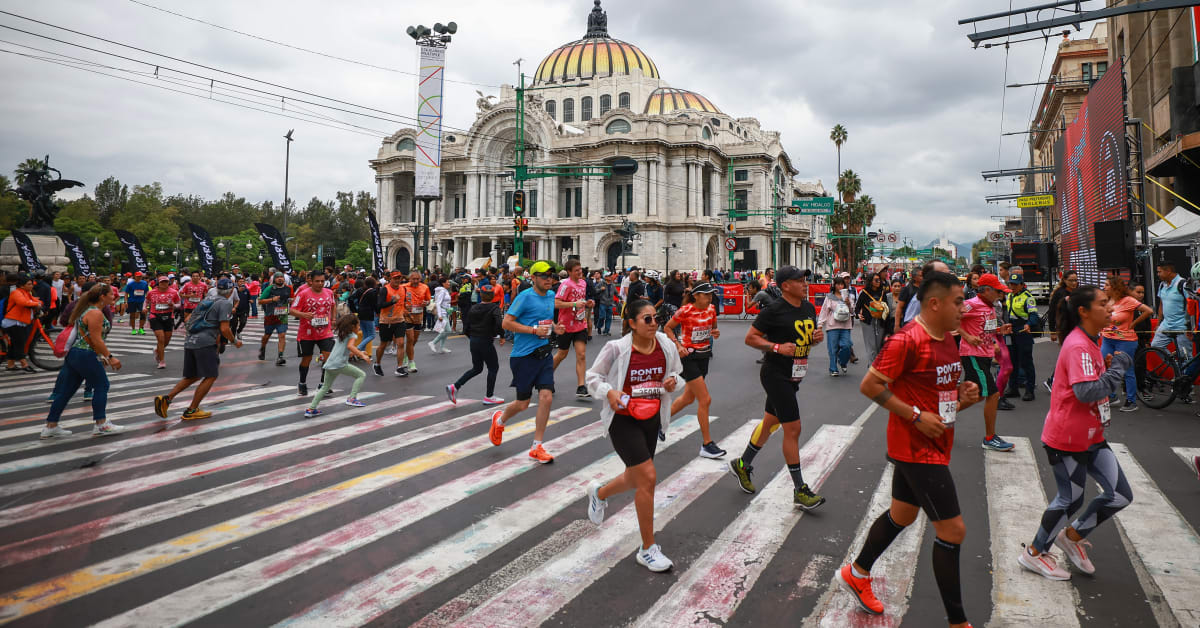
{"x": 1090, "y": 176}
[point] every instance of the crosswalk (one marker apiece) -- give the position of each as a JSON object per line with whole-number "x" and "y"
{"x": 404, "y": 512}
{"x": 121, "y": 342}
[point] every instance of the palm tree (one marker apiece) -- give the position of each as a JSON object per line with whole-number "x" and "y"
{"x": 849, "y": 184}
{"x": 839, "y": 136}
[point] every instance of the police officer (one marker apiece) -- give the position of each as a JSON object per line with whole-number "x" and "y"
{"x": 1021, "y": 308}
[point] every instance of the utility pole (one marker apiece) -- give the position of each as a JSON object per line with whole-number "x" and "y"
{"x": 287, "y": 167}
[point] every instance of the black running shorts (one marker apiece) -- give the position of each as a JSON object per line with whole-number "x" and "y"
{"x": 306, "y": 347}
{"x": 695, "y": 365}
{"x": 979, "y": 370}
{"x": 390, "y": 331}
{"x": 566, "y": 340}
{"x": 929, "y": 486}
{"x": 634, "y": 440}
{"x": 162, "y": 323}
{"x": 781, "y": 395}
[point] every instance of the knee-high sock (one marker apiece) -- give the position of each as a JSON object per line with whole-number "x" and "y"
{"x": 945, "y": 571}
{"x": 303, "y": 374}
{"x": 880, "y": 536}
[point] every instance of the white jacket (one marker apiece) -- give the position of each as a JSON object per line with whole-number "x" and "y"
{"x": 441, "y": 298}
{"x": 609, "y": 370}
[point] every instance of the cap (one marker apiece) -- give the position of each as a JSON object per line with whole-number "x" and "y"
{"x": 485, "y": 287}
{"x": 277, "y": 274}
{"x": 788, "y": 273}
{"x": 396, "y": 273}
{"x": 224, "y": 284}
{"x": 128, "y": 274}
{"x": 1016, "y": 279}
{"x": 163, "y": 278}
{"x": 703, "y": 288}
{"x": 991, "y": 281}
{"x": 541, "y": 267}
{"x": 138, "y": 274}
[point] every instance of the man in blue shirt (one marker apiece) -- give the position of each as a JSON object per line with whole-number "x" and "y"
{"x": 531, "y": 319}
{"x": 135, "y": 298}
{"x": 1174, "y": 323}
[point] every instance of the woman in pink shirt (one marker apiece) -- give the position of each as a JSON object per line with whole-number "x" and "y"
{"x": 255, "y": 288}
{"x": 1127, "y": 311}
{"x": 1074, "y": 437}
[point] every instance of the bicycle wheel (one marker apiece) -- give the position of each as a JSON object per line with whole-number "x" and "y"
{"x": 42, "y": 354}
{"x": 1158, "y": 382}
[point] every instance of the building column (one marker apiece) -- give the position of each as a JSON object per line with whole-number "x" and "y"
{"x": 495, "y": 245}
{"x": 641, "y": 204}
{"x": 577, "y": 247}
{"x": 468, "y": 251}
{"x": 471, "y": 209}
{"x": 652, "y": 183}
{"x": 714, "y": 188}
{"x": 697, "y": 189}
{"x": 387, "y": 199}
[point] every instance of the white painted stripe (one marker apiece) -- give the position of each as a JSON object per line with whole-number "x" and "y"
{"x": 1163, "y": 542}
{"x": 717, "y": 582}
{"x": 1015, "y": 506}
{"x": 44, "y": 383}
{"x": 77, "y": 405}
{"x": 1188, "y": 456}
{"x": 206, "y": 597}
{"x": 891, "y": 576}
{"x": 393, "y": 587}
{"x": 866, "y": 414}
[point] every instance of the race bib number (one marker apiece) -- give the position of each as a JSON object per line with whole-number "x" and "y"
{"x": 281, "y": 311}
{"x": 799, "y": 369}
{"x": 320, "y": 321}
{"x": 162, "y": 307}
{"x": 948, "y": 406}
{"x": 194, "y": 299}
{"x": 580, "y": 314}
{"x": 139, "y": 293}
{"x": 416, "y": 309}
{"x": 647, "y": 390}
{"x": 1104, "y": 411}
{"x": 700, "y": 336}
{"x": 989, "y": 325}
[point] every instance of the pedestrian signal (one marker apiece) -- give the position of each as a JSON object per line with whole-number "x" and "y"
{"x": 518, "y": 207}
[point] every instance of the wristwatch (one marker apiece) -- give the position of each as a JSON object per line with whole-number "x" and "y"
{"x": 916, "y": 415}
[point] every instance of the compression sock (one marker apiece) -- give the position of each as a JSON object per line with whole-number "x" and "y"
{"x": 881, "y": 535}
{"x": 945, "y": 571}
{"x": 797, "y": 475}
{"x": 751, "y": 451}
{"x": 303, "y": 374}
{"x": 989, "y": 436}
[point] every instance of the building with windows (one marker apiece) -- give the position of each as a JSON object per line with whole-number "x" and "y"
{"x": 692, "y": 159}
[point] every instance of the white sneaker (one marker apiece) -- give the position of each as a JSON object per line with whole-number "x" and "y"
{"x": 1075, "y": 552}
{"x": 446, "y": 351}
{"x": 432, "y": 347}
{"x": 652, "y": 558}
{"x": 107, "y": 428}
{"x": 1044, "y": 564}
{"x": 54, "y": 432}
{"x": 492, "y": 401}
{"x": 412, "y": 366}
{"x": 596, "y": 505}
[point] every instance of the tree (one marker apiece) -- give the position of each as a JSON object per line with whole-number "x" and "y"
{"x": 839, "y": 136}
{"x": 978, "y": 249}
{"x": 848, "y": 218}
{"x": 111, "y": 197}
{"x": 358, "y": 254}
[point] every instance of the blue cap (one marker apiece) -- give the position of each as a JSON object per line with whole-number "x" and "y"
{"x": 225, "y": 284}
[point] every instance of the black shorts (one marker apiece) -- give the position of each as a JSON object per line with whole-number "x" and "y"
{"x": 781, "y": 394}
{"x": 201, "y": 363}
{"x": 162, "y": 323}
{"x": 634, "y": 440}
{"x": 305, "y": 347}
{"x": 134, "y": 306}
{"x": 566, "y": 340}
{"x": 979, "y": 370}
{"x": 529, "y": 372}
{"x": 414, "y": 322}
{"x": 929, "y": 486}
{"x": 390, "y": 331}
{"x": 695, "y": 365}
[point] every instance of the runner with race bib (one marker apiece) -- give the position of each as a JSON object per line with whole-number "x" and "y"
{"x": 161, "y": 304}
{"x": 315, "y": 307}
{"x": 693, "y": 328}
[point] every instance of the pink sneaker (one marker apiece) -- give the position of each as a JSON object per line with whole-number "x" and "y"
{"x": 162, "y": 364}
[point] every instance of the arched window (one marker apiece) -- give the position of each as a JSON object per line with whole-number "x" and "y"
{"x": 568, "y": 110}
{"x": 585, "y": 108}
{"x": 406, "y": 144}
{"x": 623, "y": 100}
{"x": 707, "y": 134}
{"x": 716, "y": 123}
{"x": 550, "y": 109}
{"x": 618, "y": 126}
{"x": 605, "y": 103}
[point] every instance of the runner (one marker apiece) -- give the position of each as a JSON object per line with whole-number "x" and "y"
{"x": 135, "y": 298}
{"x": 85, "y": 362}
{"x": 416, "y": 297}
{"x": 275, "y": 299}
{"x": 531, "y": 319}
{"x": 573, "y": 309}
{"x": 315, "y": 307}
{"x": 192, "y": 293}
{"x": 338, "y": 363}
{"x": 206, "y": 326}
{"x": 978, "y": 333}
{"x": 1074, "y": 438}
{"x": 391, "y": 323}
{"x": 916, "y": 378}
{"x": 636, "y": 374}
{"x": 486, "y": 323}
{"x": 161, "y": 305}
{"x": 696, "y": 323}
{"x": 786, "y": 330}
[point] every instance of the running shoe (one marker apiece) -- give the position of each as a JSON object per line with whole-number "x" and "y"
{"x": 581, "y": 392}
{"x": 302, "y": 389}
{"x": 1147, "y": 397}
{"x": 452, "y": 393}
{"x": 995, "y": 443}
{"x": 1012, "y": 394}
{"x": 710, "y": 450}
{"x": 50, "y": 399}
{"x": 195, "y": 413}
{"x": 1005, "y": 404}
{"x": 162, "y": 364}
{"x": 311, "y": 412}
{"x": 107, "y": 428}
{"x": 834, "y": 373}
{"x": 1196, "y": 465}
{"x": 596, "y": 505}
{"x": 161, "y": 403}
{"x": 1048, "y": 384}
{"x": 391, "y": 350}
{"x": 860, "y": 588}
{"x": 742, "y": 473}
{"x": 378, "y": 368}
{"x": 1028, "y": 396}
{"x": 132, "y": 332}
{"x": 842, "y": 369}
{"x": 1130, "y": 406}
{"x": 446, "y": 350}
{"x": 87, "y": 395}
{"x": 1075, "y": 551}
{"x": 538, "y": 453}
{"x": 53, "y": 432}
{"x": 262, "y": 353}
{"x": 1044, "y": 564}
{"x": 804, "y": 499}
{"x": 432, "y": 347}
{"x": 280, "y": 361}
{"x": 496, "y": 431}
{"x": 401, "y": 371}
{"x": 412, "y": 366}
{"x": 492, "y": 401}
{"x": 652, "y": 558}
{"x": 354, "y": 402}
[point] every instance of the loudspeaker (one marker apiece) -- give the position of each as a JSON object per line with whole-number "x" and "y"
{"x": 1114, "y": 244}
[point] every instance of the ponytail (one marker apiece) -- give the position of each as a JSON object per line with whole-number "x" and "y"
{"x": 630, "y": 313}
{"x": 89, "y": 299}
{"x": 1068, "y": 316}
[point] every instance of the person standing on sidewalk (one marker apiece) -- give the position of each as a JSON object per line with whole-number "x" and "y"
{"x": 531, "y": 319}
{"x": 1023, "y": 315}
{"x": 254, "y": 286}
{"x": 486, "y": 324}
{"x": 207, "y": 325}
{"x": 573, "y": 306}
{"x": 85, "y": 362}
{"x": 338, "y": 363}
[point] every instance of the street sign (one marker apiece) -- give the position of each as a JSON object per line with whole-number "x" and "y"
{"x": 893, "y": 238}
{"x": 1001, "y": 236}
{"x": 1043, "y": 200}
{"x": 828, "y": 246}
{"x": 884, "y": 238}
{"x": 816, "y": 206}
{"x": 730, "y": 244}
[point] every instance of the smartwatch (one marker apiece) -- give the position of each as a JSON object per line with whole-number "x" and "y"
{"x": 916, "y": 415}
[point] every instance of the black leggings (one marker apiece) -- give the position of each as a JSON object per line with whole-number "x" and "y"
{"x": 482, "y": 353}
{"x": 239, "y": 321}
{"x": 18, "y": 335}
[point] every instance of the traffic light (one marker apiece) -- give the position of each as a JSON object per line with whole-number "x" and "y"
{"x": 730, "y": 227}
{"x": 518, "y": 203}
{"x": 792, "y": 210}
{"x": 520, "y": 224}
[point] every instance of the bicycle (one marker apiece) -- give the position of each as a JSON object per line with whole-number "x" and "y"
{"x": 1162, "y": 377}
{"x": 39, "y": 347}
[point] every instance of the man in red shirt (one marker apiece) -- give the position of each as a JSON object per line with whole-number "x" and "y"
{"x": 916, "y": 378}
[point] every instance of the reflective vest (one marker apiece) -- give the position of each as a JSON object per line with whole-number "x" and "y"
{"x": 1020, "y": 305}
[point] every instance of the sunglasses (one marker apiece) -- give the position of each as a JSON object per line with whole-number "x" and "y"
{"x": 649, "y": 319}
{"x": 544, "y": 275}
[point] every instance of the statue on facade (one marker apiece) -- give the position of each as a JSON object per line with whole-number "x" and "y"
{"x": 484, "y": 103}
{"x": 597, "y": 22}
{"x": 38, "y": 188}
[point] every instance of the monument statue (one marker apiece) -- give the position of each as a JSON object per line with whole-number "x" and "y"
{"x": 484, "y": 103}
{"x": 39, "y": 188}
{"x": 597, "y": 23}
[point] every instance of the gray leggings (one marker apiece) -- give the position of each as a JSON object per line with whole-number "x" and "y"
{"x": 1071, "y": 470}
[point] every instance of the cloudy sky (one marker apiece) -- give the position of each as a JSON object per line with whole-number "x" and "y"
{"x": 923, "y": 108}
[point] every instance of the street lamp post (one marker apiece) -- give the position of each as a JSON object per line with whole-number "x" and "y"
{"x": 438, "y": 37}
{"x": 667, "y": 252}
{"x": 287, "y": 167}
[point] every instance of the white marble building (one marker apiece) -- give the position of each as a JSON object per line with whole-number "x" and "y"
{"x": 687, "y": 150}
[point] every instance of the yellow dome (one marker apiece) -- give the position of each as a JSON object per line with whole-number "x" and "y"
{"x": 668, "y": 99}
{"x": 595, "y": 56}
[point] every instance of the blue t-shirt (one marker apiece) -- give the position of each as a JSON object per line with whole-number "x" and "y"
{"x": 528, "y": 308}
{"x": 1174, "y": 306}
{"x": 136, "y": 291}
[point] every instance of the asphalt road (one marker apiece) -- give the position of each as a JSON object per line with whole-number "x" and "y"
{"x": 402, "y": 513}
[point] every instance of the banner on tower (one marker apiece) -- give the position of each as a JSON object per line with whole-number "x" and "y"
{"x": 431, "y": 67}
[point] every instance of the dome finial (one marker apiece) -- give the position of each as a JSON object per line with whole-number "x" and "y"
{"x": 597, "y": 22}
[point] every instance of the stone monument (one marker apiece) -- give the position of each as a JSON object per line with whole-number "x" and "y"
{"x": 38, "y": 188}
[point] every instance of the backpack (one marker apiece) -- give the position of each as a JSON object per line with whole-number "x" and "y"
{"x": 199, "y": 319}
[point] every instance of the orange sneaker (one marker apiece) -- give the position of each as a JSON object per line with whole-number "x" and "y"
{"x": 861, "y": 589}
{"x": 539, "y": 454}
{"x": 496, "y": 433}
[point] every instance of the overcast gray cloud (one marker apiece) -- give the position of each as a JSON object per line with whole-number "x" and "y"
{"x": 923, "y": 109}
